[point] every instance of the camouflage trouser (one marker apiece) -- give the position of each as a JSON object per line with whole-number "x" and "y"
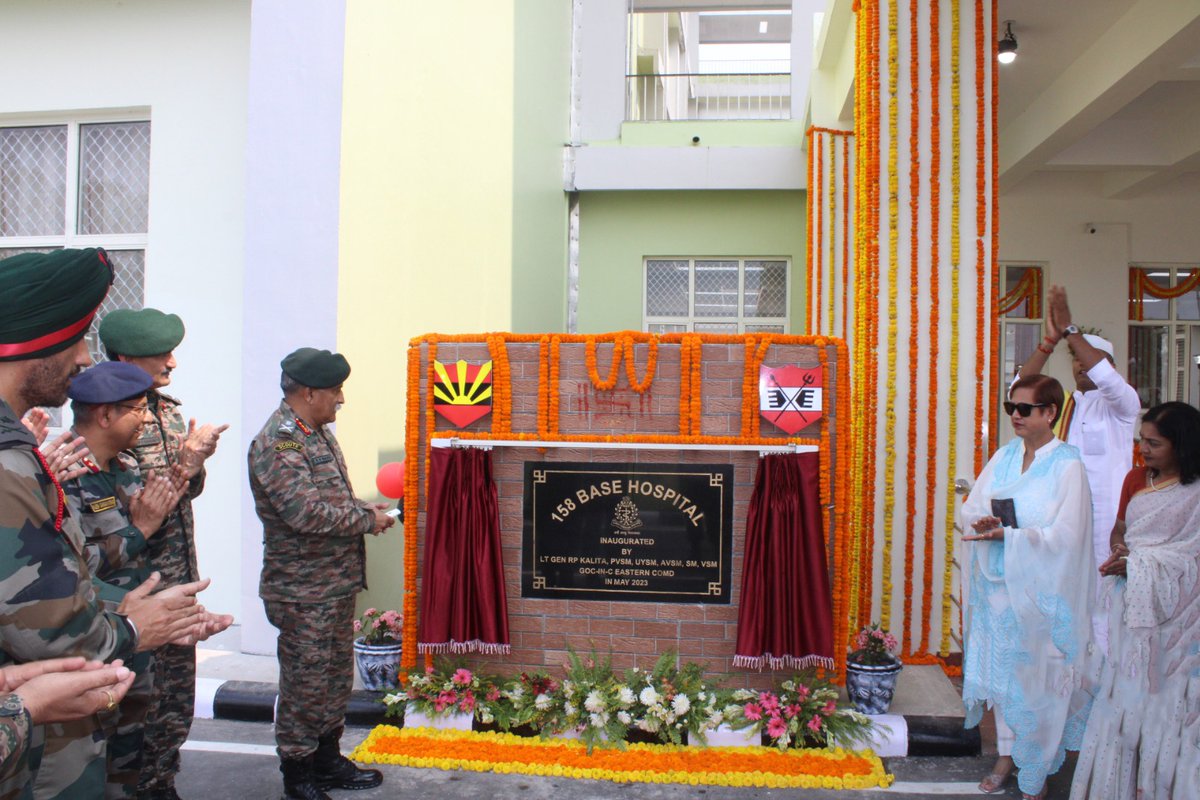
{"x": 73, "y": 763}
{"x": 316, "y": 670}
{"x": 169, "y": 718}
{"x": 127, "y": 731}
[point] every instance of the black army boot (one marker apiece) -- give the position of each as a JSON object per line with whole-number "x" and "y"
{"x": 298, "y": 780}
{"x": 332, "y": 770}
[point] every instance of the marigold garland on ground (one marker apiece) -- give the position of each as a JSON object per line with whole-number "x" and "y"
{"x": 505, "y": 753}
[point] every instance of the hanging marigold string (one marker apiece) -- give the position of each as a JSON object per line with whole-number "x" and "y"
{"x": 697, "y": 376}
{"x": 555, "y": 367}
{"x": 981, "y": 270}
{"x": 544, "y": 385}
{"x": 651, "y": 363}
{"x": 412, "y": 475}
{"x": 815, "y": 186}
{"x": 994, "y": 264}
{"x": 914, "y": 278}
{"x": 829, "y": 325}
{"x": 875, "y": 98}
{"x": 845, "y": 236}
{"x": 955, "y": 260}
{"x": 498, "y": 377}
{"x": 603, "y": 384}
{"x": 810, "y": 278}
{"x": 934, "y": 337}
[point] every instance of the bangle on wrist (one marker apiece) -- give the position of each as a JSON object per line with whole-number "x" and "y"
{"x": 1046, "y": 350}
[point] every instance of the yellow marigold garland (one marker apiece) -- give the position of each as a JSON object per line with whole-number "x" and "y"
{"x": 935, "y": 175}
{"x": 981, "y": 271}
{"x": 815, "y": 187}
{"x": 830, "y": 321}
{"x": 505, "y": 753}
{"x": 955, "y": 256}
{"x": 914, "y": 319}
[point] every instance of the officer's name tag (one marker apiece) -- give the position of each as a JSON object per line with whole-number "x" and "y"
{"x": 281, "y": 446}
{"x": 103, "y": 504}
{"x": 325, "y": 459}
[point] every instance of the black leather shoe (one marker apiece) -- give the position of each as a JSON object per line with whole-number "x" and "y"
{"x": 343, "y": 774}
{"x": 332, "y": 770}
{"x": 298, "y": 781}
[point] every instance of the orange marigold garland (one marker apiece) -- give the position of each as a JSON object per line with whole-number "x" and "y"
{"x": 830, "y": 321}
{"x": 981, "y": 207}
{"x": 544, "y": 386}
{"x": 889, "y": 447}
{"x": 914, "y": 275}
{"x": 749, "y": 389}
{"x": 431, "y": 424}
{"x": 815, "y": 186}
{"x": 631, "y": 370}
{"x": 412, "y": 469}
{"x": 603, "y": 384}
{"x": 553, "y": 388}
{"x": 697, "y": 376}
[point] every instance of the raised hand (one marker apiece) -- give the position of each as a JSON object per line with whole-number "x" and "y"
{"x": 166, "y": 616}
{"x": 67, "y": 456}
{"x": 38, "y": 422}
{"x": 158, "y": 497}
{"x": 199, "y": 444}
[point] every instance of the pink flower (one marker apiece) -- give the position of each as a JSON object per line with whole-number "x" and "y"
{"x": 445, "y": 699}
{"x": 860, "y": 641}
{"x": 890, "y": 642}
{"x": 493, "y": 694}
{"x": 802, "y": 692}
{"x": 829, "y": 708}
{"x": 461, "y": 677}
{"x": 769, "y": 701}
{"x": 815, "y": 723}
{"x": 429, "y": 670}
{"x": 753, "y": 711}
{"x": 877, "y": 634}
{"x": 776, "y": 727}
{"x": 357, "y": 626}
{"x": 370, "y": 612}
{"x": 467, "y": 703}
{"x": 791, "y": 711}
{"x": 412, "y": 693}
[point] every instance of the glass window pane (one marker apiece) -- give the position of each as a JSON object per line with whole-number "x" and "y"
{"x": 33, "y": 181}
{"x": 764, "y": 329}
{"x": 1148, "y": 345}
{"x": 716, "y": 327}
{"x": 666, "y": 288}
{"x": 1012, "y": 279}
{"x": 664, "y": 327}
{"x": 128, "y": 291}
{"x": 716, "y": 289}
{"x": 114, "y": 177}
{"x": 1187, "y": 306}
{"x": 1157, "y": 307}
{"x": 766, "y": 289}
{"x": 1020, "y": 339}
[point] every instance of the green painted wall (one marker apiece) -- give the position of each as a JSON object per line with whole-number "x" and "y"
{"x": 619, "y": 229}
{"x": 541, "y": 89}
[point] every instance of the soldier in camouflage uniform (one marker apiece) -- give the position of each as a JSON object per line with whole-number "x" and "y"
{"x": 119, "y": 513}
{"x": 313, "y": 566}
{"x": 48, "y": 603}
{"x": 147, "y": 338}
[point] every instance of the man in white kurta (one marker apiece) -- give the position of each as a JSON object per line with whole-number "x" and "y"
{"x": 1099, "y": 420}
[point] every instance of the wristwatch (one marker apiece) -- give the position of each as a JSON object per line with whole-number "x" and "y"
{"x": 1070, "y": 330}
{"x": 12, "y": 706}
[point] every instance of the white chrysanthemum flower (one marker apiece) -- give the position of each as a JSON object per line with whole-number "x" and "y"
{"x": 569, "y": 708}
{"x": 626, "y": 696}
{"x": 516, "y": 693}
{"x": 681, "y": 704}
{"x": 649, "y": 697}
{"x": 702, "y": 696}
{"x": 594, "y": 702}
{"x": 542, "y": 702}
{"x": 568, "y": 689}
{"x": 485, "y": 717}
{"x": 597, "y": 720}
{"x": 715, "y": 719}
{"x": 624, "y": 718}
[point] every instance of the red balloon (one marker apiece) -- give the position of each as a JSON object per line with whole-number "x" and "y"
{"x": 390, "y": 480}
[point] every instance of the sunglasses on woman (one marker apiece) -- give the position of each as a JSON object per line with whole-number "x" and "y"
{"x": 1024, "y": 409}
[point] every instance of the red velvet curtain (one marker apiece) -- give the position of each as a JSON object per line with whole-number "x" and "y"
{"x": 463, "y": 604}
{"x": 786, "y": 614}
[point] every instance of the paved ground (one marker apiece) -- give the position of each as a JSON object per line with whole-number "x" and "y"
{"x": 237, "y": 760}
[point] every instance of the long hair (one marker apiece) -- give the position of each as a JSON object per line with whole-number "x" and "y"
{"x": 1179, "y": 424}
{"x": 1045, "y": 390}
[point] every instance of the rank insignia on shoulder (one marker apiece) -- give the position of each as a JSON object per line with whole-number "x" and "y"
{"x": 103, "y": 504}
{"x": 325, "y": 459}
{"x": 281, "y": 446}
{"x": 286, "y": 427}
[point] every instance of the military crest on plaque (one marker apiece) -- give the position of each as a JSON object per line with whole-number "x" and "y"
{"x": 462, "y": 392}
{"x": 790, "y": 397}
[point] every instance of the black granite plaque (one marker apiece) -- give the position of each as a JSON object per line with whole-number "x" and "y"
{"x": 651, "y": 533}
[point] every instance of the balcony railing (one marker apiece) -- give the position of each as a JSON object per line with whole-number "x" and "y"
{"x": 729, "y": 95}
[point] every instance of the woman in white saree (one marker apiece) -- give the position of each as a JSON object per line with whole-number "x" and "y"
{"x": 1029, "y": 585}
{"x": 1143, "y": 738}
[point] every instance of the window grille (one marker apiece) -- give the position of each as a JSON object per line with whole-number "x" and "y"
{"x": 716, "y": 295}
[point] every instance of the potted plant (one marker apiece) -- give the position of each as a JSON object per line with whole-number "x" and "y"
{"x": 872, "y": 669}
{"x": 445, "y": 695}
{"x": 803, "y": 713}
{"x": 377, "y": 648}
{"x": 595, "y": 707}
{"x": 672, "y": 702}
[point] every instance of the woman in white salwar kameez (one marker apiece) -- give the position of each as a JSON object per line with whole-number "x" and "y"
{"x": 1029, "y": 590}
{"x": 1143, "y": 737}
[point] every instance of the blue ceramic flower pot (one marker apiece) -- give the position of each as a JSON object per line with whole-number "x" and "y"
{"x": 378, "y": 665}
{"x": 871, "y": 686}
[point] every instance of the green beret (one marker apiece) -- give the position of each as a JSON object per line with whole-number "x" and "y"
{"x": 146, "y": 332}
{"x": 316, "y": 369}
{"x": 47, "y": 300}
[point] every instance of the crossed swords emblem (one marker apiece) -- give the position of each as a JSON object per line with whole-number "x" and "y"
{"x": 780, "y": 396}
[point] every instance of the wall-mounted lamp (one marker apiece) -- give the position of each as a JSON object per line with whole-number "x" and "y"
{"x": 1006, "y": 51}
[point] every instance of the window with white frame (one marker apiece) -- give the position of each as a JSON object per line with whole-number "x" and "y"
{"x": 1021, "y": 316}
{"x": 1164, "y": 333}
{"x": 716, "y": 295}
{"x": 76, "y": 182}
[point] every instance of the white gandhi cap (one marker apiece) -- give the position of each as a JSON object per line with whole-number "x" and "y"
{"x": 1100, "y": 343}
